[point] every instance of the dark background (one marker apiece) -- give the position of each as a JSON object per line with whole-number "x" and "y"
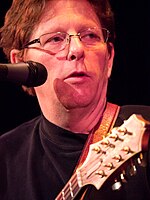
{"x": 130, "y": 80}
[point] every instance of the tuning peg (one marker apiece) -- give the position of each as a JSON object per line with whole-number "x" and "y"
{"x": 117, "y": 185}
{"x": 127, "y": 150}
{"x": 141, "y": 161}
{"x": 109, "y": 166}
{"x": 105, "y": 142}
{"x": 118, "y": 158}
{"x": 122, "y": 130}
{"x": 97, "y": 149}
{"x": 132, "y": 170}
{"x": 123, "y": 177}
{"x": 101, "y": 173}
{"x": 115, "y": 137}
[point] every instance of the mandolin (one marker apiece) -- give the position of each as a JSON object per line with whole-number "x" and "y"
{"x": 109, "y": 155}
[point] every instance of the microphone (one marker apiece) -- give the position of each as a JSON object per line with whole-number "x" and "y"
{"x": 30, "y": 74}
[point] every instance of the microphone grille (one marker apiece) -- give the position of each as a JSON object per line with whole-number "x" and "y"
{"x": 37, "y": 74}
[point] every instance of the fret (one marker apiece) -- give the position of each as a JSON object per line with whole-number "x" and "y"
{"x": 70, "y": 190}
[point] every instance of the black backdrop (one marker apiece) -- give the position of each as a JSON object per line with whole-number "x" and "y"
{"x": 130, "y": 80}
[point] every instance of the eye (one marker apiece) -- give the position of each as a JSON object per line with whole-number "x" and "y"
{"x": 90, "y": 37}
{"x": 54, "y": 39}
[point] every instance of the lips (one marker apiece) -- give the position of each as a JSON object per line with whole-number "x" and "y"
{"x": 77, "y": 78}
{"x": 77, "y": 74}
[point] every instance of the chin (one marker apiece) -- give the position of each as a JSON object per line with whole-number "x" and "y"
{"x": 77, "y": 102}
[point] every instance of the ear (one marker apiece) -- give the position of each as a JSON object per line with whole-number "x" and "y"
{"x": 15, "y": 56}
{"x": 110, "y": 58}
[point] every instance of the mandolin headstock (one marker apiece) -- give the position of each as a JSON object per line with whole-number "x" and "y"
{"x": 110, "y": 154}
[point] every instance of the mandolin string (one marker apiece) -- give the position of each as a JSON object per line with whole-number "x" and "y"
{"x": 93, "y": 163}
{"x": 74, "y": 181}
{"x": 74, "y": 185}
{"x": 66, "y": 189}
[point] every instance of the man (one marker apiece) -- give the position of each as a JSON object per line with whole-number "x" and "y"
{"x": 74, "y": 41}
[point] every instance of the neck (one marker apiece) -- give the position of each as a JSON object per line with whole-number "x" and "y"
{"x": 83, "y": 121}
{"x": 78, "y": 120}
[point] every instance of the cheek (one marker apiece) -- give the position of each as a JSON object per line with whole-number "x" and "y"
{"x": 38, "y": 56}
{"x": 49, "y": 63}
{"x": 47, "y": 60}
{"x": 97, "y": 62}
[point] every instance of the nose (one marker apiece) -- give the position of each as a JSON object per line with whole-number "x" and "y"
{"x": 76, "y": 49}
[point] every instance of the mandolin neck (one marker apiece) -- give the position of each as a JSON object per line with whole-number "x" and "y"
{"x": 71, "y": 189}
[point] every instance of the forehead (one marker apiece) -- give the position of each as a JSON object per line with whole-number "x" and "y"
{"x": 59, "y": 14}
{"x": 67, "y": 7}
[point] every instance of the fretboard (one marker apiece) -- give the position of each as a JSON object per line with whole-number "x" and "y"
{"x": 70, "y": 190}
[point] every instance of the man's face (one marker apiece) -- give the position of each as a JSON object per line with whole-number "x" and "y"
{"x": 77, "y": 76}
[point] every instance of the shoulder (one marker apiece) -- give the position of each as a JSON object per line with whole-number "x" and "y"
{"x": 23, "y": 127}
{"x": 20, "y": 135}
{"x": 127, "y": 110}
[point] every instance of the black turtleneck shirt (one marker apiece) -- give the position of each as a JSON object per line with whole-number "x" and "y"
{"x": 38, "y": 158}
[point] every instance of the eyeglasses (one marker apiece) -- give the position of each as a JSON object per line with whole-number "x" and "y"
{"x": 57, "y": 41}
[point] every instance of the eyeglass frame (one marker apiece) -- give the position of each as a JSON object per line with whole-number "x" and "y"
{"x": 68, "y": 37}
